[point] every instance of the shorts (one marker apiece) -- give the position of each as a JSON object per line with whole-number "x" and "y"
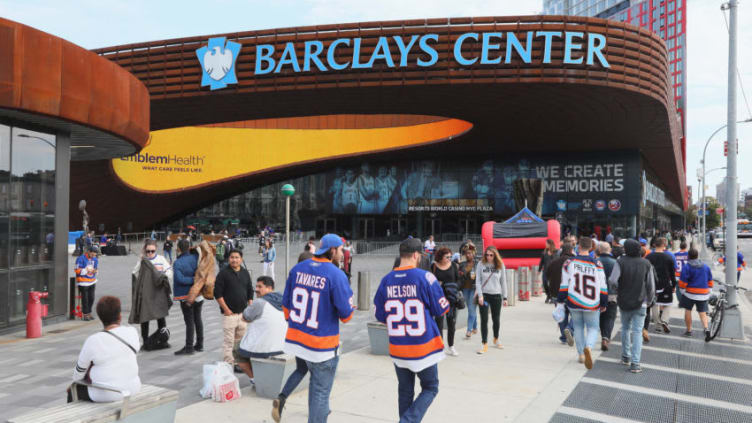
{"x": 664, "y": 298}
{"x": 687, "y": 303}
{"x": 242, "y": 356}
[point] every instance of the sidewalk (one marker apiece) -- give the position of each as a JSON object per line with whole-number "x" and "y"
{"x": 526, "y": 381}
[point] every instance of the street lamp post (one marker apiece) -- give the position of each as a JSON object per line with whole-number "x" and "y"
{"x": 288, "y": 191}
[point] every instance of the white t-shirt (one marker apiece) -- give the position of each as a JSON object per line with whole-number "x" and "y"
{"x": 112, "y": 363}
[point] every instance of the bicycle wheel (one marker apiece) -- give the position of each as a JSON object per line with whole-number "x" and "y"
{"x": 716, "y": 319}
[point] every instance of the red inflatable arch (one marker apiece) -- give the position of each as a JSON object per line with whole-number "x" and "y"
{"x": 521, "y": 239}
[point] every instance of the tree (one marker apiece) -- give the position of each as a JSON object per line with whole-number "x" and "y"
{"x": 690, "y": 215}
{"x": 713, "y": 219}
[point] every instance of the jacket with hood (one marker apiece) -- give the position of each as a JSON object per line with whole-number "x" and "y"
{"x": 696, "y": 280}
{"x": 553, "y": 273}
{"x": 265, "y": 333}
{"x": 632, "y": 279}
{"x": 183, "y": 272}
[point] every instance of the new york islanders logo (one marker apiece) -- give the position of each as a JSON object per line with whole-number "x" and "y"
{"x": 218, "y": 63}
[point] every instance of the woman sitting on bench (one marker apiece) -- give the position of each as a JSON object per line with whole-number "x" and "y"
{"x": 108, "y": 358}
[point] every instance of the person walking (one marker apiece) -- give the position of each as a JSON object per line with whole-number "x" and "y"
{"x": 416, "y": 347}
{"x": 167, "y": 248}
{"x": 695, "y": 282}
{"x": 583, "y": 289}
{"x": 448, "y": 275}
{"x": 429, "y": 248}
{"x": 608, "y": 317}
{"x": 553, "y": 275}
{"x": 491, "y": 291}
{"x": 665, "y": 284}
{"x": 270, "y": 255}
{"x": 184, "y": 272}
{"x": 549, "y": 254}
{"x": 467, "y": 283}
{"x": 87, "y": 267}
{"x": 632, "y": 280}
{"x": 233, "y": 291}
{"x": 220, "y": 252}
{"x": 317, "y": 295}
{"x": 155, "y": 310}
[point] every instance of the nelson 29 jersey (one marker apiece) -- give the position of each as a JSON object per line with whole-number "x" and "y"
{"x": 583, "y": 284}
{"x": 406, "y": 301}
{"x": 316, "y": 295}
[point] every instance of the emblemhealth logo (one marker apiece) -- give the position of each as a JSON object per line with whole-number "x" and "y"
{"x": 218, "y": 63}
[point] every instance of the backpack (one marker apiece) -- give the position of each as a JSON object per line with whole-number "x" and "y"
{"x": 158, "y": 340}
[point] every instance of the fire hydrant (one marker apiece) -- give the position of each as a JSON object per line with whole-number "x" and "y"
{"x": 35, "y": 310}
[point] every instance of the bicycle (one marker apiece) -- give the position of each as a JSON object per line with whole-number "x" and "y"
{"x": 719, "y": 305}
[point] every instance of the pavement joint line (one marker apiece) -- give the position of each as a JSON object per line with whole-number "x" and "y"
{"x": 691, "y": 354}
{"x": 692, "y": 399}
{"x": 663, "y": 335}
{"x": 13, "y": 378}
{"x": 592, "y": 415}
{"x": 684, "y": 372}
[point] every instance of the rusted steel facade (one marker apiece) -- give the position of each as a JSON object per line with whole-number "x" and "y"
{"x": 515, "y": 107}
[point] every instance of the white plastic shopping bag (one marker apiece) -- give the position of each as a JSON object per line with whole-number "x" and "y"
{"x": 225, "y": 386}
{"x": 559, "y": 313}
{"x": 208, "y": 374}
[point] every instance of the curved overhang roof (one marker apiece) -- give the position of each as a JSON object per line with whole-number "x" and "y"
{"x": 521, "y": 106}
{"x": 48, "y": 82}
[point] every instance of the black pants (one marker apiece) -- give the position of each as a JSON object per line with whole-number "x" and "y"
{"x": 647, "y": 319}
{"x": 87, "y": 298}
{"x": 492, "y": 301}
{"x": 161, "y": 323}
{"x": 192, "y": 319}
{"x": 451, "y": 318}
{"x": 607, "y": 320}
{"x": 82, "y": 392}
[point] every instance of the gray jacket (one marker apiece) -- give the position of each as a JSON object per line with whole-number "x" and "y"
{"x": 632, "y": 279}
{"x": 489, "y": 280}
{"x": 150, "y": 294}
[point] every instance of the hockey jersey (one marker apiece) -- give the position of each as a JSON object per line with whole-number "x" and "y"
{"x": 682, "y": 257}
{"x": 316, "y": 295}
{"x": 406, "y": 301}
{"x": 583, "y": 284}
{"x": 696, "y": 280}
{"x": 86, "y": 277}
{"x": 739, "y": 261}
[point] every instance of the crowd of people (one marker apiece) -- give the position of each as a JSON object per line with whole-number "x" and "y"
{"x": 590, "y": 282}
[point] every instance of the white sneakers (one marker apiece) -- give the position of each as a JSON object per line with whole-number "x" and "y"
{"x": 452, "y": 351}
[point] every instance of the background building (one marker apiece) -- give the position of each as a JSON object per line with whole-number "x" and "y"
{"x": 667, "y": 18}
{"x": 720, "y": 193}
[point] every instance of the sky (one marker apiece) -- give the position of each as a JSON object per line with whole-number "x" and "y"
{"x": 98, "y": 23}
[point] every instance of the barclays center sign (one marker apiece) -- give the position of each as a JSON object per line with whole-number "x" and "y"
{"x": 219, "y": 56}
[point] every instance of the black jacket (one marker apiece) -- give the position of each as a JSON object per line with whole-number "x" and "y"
{"x": 664, "y": 270}
{"x": 553, "y": 274}
{"x": 632, "y": 278}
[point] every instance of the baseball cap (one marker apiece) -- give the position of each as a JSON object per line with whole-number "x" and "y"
{"x": 328, "y": 241}
{"x": 411, "y": 245}
{"x": 643, "y": 241}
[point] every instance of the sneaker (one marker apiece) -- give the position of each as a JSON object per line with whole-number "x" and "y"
{"x": 475, "y": 331}
{"x": 277, "y": 406}
{"x": 665, "y": 327}
{"x": 588, "y": 358}
{"x": 253, "y": 382}
{"x": 468, "y": 335}
{"x": 568, "y": 335}
{"x": 581, "y": 358}
{"x": 626, "y": 361}
{"x": 635, "y": 368}
{"x": 185, "y": 351}
{"x": 645, "y": 336}
{"x": 604, "y": 344}
{"x": 497, "y": 344}
{"x": 688, "y": 334}
{"x": 483, "y": 349}
{"x": 707, "y": 335}
{"x": 198, "y": 348}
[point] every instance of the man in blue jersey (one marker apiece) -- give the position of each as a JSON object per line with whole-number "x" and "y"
{"x": 583, "y": 289}
{"x": 407, "y": 301}
{"x": 317, "y": 295}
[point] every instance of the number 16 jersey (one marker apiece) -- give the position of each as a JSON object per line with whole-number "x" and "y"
{"x": 583, "y": 284}
{"x": 406, "y": 301}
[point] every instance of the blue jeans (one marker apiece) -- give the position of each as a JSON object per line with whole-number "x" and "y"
{"x": 631, "y": 333}
{"x": 413, "y": 410}
{"x": 472, "y": 309}
{"x": 586, "y": 328}
{"x": 301, "y": 368}
{"x": 565, "y": 324}
{"x": 168, "y": 253}
{"x": 322, "y": 379}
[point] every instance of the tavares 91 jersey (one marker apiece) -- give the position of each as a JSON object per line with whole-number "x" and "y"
{"x": 406, "y": 301}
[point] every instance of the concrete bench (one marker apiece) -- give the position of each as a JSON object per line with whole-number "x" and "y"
{"x": 378, "y": 338}
{"x": 270, "y": 374}
{"x": 150, "y": 405}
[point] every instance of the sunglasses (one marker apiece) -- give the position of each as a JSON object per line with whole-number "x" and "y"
{"x": 489, "y": 255}
{"x": 151, "y": 251}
